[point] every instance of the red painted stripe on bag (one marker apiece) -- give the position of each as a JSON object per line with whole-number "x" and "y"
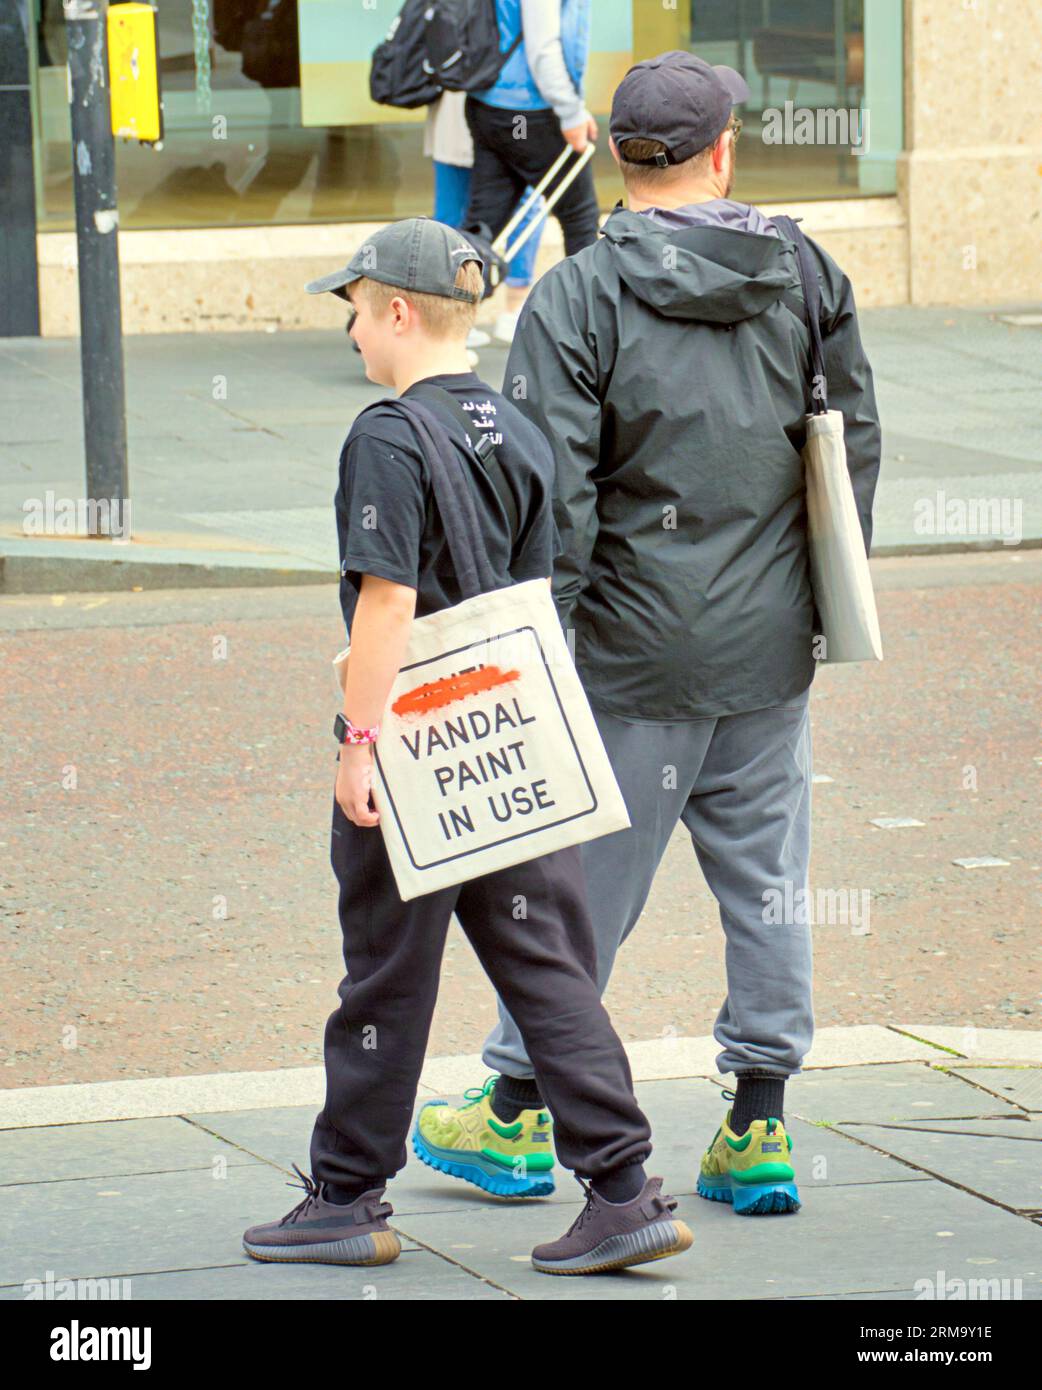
{"x": 446, "y": 690}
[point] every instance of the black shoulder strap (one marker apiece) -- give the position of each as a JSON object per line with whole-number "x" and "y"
{"x": 812, "y": 303}
{"x": 454, "y": 499}
{"x": 482, "y": 446}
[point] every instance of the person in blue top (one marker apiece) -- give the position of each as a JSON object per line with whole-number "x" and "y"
{"x": 521, "y": 123}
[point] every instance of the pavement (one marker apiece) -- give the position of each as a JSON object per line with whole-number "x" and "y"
{"x": 918, "y": 1154}
{"x": 234, "y": 439}
{"x": 159, "y": 1044}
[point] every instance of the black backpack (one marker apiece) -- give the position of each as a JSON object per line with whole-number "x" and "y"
{"x": 397, "y": 76}
{"x": 435, "y": 46}
{"x": 463, "y": 44}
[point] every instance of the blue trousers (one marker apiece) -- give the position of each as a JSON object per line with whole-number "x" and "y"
{"x": 451, "y": 195}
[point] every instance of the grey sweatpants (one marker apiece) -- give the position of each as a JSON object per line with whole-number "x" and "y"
{"x": 741, "y": 784}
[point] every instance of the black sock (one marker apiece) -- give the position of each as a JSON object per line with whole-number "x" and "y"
{"x": 623, "y": 1184}
{"x": 511, "y": 1095}
{"x": 757, "y": 1098}
{"x": 343, "y": 1194}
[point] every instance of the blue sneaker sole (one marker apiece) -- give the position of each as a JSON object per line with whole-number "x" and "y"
{"x": 479, "y": 1171}
{"x": 753, "y": 1199}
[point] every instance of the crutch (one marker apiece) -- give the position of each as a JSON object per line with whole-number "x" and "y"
{"x": 499, "y": 246}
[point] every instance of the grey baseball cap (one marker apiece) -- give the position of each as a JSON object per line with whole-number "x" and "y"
{"x": 678, "y": 99}
{"x": 414, "y": 254}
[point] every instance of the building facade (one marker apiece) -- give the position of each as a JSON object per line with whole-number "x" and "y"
{"x": 906, "y": 133}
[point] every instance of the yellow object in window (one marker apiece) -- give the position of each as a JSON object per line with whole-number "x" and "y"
{"x": 137, "y": 111}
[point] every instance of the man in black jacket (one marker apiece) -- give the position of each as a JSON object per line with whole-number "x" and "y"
{"x": 668, "y": 366}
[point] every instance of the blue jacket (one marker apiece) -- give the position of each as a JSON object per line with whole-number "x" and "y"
{"x": 516, "y": 89}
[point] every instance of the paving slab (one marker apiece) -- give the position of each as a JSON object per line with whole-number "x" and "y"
{"x": 683, "y": 1114}
{"x": 871, "y": 1225}
{"x": 862, "y": 1045}
{"x": 957, "y": 393}
{"x": 863, "y": 1295}
{"x": 841, "y": 1242}
{"x": 1016, "y": 1126}
{"x": 850, "y": 1045}
{"x": 900, "y": 1092}
{"x": 657, "y": 1059}
{"x": 1006, "y": 1170}
{"x": 983, "y": 1044}
{"x": 144, "y": 1223}
{"x": 208, "y": 1093}
{"x": 119, "y": 1147}
{"x": 416, "y": 1275}
{"x": 282, "y": 1137}
{"x": 168, "y": 1095}
{"x": 1022, "y": 1086}
{"x": 306, "y": 531}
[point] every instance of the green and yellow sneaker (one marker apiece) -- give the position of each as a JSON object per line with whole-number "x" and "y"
{"x": 752, "y": 1171}
{"x": 470, "y": 1142}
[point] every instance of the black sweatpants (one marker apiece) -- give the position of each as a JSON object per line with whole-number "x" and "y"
{"x": 531, "y": 930}
{"x": 508, "y": 157}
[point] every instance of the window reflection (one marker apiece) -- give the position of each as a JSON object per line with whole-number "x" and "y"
{"x": 237, "y": 153}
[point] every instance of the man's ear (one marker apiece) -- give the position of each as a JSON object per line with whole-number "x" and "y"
{"x": 720, "y": 152}
{"x": 614, "y": 150}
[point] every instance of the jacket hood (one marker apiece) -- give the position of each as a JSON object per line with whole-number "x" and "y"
{"x": 714, "y": 274}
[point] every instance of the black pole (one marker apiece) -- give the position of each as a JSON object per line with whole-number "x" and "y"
{"x": 19, "y": 292}
{"x": 101, "y": 326}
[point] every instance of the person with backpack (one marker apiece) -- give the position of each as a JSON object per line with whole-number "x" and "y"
{"x": 414, "y": 288}
{"x": 522, "y": 121}
{"x": 446, "y": 139}
{"x": 521, "y": 64}
{"x": 669, "y": 366}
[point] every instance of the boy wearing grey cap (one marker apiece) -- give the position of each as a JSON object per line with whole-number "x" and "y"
{"x": 413, "y": 290}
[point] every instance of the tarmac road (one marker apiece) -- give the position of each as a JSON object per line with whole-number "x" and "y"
{"x": 152, "y": 782}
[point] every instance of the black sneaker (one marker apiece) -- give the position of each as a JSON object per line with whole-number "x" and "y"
{"x": 320, "y": 1232}
{"x": 612, "y": 1235}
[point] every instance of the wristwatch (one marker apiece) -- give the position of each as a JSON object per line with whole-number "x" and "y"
{"x": 345, "y": 732}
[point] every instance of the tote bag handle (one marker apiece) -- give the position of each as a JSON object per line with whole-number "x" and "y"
{"x": 812, "y": 302}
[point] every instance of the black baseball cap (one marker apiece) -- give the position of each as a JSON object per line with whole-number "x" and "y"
{"x": 414, "y": 254}
{"x": 678, "y": 99}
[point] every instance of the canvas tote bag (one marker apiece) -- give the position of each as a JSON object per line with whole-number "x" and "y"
{"x": 840, "y": 575}
{"x": 488, "y": 753}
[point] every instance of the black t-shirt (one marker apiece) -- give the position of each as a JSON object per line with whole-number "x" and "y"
{"x": 388, "y": 523}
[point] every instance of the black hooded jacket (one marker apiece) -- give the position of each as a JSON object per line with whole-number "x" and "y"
{"x": 668, "y": 368}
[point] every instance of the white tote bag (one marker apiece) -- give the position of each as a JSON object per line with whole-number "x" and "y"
{"x": 488, "y": 753}
{"x": 840, "y": 575}
{"x": 839, "y": 569}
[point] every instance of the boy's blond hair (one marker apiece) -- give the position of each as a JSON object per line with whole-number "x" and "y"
{"x": 441, "y": 317}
